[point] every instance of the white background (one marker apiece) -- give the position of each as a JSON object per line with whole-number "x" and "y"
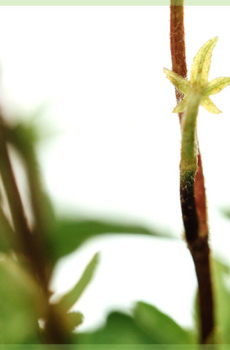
{"x": 114, "y": 146}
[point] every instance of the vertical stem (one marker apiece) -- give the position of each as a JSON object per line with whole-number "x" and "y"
{"x": 177, "y": 40}
{"x": 25, "y": 238}
{"x": 200, "y": 253}
{"x": 29, "y": 243}
{"x": 192, "y": 189}
{"x": 188, "y": 168}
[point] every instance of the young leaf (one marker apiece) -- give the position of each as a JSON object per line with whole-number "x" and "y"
{"x": 159, "y": 326}
{"x": 198, "y": 89}
{"x": 202, "y": 61}
{"x": 70, "y": 298}
{"x": 210, "y": 106}
{"x": 180, "y": 83}
{"x": 216, "y": 85}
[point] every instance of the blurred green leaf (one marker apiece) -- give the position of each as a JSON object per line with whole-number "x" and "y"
{"x": 19, "y": 300}
{"x": 73, "y": 320}
{"x": 221, "y": 274}
{"x": 23, "y": 136}
{"x": 162, "y": 328}
{"x": 70, "y": 234}
{"x": 70, "y": 298}
{"x": 225, "y": 211}
{"x": 119, "y": 329}
{"x": 147, "y": 326}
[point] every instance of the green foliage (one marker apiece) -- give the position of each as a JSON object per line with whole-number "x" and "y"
{"x": 198, "y": 84}
{"x": 146, "y": 325}
{"x": 69, "y": 234}
{"x": 162, "y": 328}
{"x": 19, "y": 303}
{"x": 73, "y": 320}
{"x": 27, "y": 314}
{"x": 70, "y": 298}
{"x": 119, "y": 329}
{"x": 221, "y": 274}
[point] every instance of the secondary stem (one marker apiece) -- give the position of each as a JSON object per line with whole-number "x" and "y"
{"x": 30, "y": 245}
{"x": 192, "y": 190}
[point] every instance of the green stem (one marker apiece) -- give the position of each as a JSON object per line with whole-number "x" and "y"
{"x": 189, "y": 143}
{"x": 188, "y": 168}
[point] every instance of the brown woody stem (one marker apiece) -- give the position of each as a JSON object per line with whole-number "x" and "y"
{"x": 192, "y": 191}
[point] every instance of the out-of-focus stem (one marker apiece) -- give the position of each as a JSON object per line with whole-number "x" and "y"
{"x": 29, "y": 243}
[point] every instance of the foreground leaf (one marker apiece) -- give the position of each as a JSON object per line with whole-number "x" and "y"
{"x": 18, "y": 304}
{"x": 119, "y": 329}
{"x": 147, "y": 325}
{"x": 162, "y": 328}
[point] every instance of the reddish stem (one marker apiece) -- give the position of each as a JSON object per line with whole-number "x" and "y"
{"x": 193, "y": 201}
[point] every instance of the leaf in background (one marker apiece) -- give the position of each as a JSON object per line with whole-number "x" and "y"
{"x": 19, "y": 299}
{"x": 73, "y": 320}
{"x": 119, "y": 329}
{"x": 70, "y": 234}
{"x": 159, "y": 326}
{"x": 70, "y": 298}
{"x": 221, "y": 273}
{"x": 226, "y": 212}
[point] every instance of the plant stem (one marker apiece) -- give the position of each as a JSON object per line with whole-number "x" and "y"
{"x": 29, "y": 244}
{"x": 25, "y": 238}
{"x": 192, "y": 190}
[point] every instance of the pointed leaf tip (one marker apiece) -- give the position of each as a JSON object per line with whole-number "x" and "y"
{"x": 216, "y": 85}
{"x": 179, "y": 82}
{"x": 71, "y": 297}
{"x": 210, "y": 106}
{"x": 202, "y": 61}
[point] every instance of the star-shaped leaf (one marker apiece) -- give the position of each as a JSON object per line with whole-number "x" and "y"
{"x": 198, "y": 84}
{"x": 201, "y": 63}
{"x": 180, "y": 83}
{"x": 210, "y": 106}
{"x": 216, "y": 85}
